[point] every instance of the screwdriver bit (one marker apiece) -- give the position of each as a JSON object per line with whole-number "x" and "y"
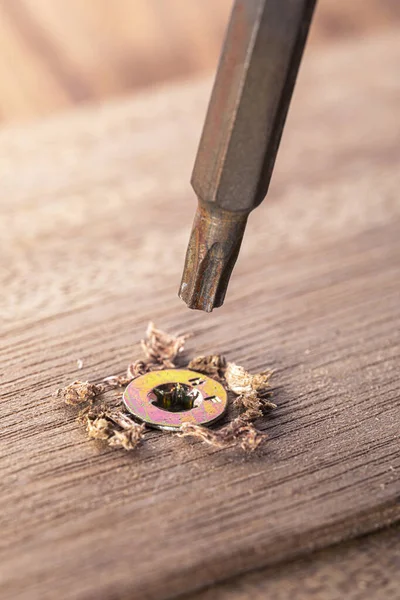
{"x": 257, "y": 71}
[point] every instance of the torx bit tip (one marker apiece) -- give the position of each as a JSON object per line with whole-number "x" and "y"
{"x": 211, "y": 255}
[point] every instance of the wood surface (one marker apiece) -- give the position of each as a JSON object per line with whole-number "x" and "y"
{"x": 58, "y": 53}
{"x": 96, "y": 213}
{"x": 366, "y": 568}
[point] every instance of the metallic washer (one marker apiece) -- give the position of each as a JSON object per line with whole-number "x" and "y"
{"x": 211, "y": 405}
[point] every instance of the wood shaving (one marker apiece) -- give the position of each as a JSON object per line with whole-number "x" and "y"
{"x": 117, "y": 429}
{"x": 237, "y": 433}
{"x": 213, "y": 365}
{"x": 98, "y": 428}
{"x": 79, "y": 392}
{"x": 161, "y": 348}
{"x": 109, "y": 423}
{"x": 241, "y": 382}
{"x": 130, "y": 434}
{"x": 253, "y": 405}
{"x": 128, "y": 439}
{"x": 115, "y": 381}
{"x": 139, "y": 367}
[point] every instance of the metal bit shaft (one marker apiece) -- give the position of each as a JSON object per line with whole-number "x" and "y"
{"x": 243, "y": 127}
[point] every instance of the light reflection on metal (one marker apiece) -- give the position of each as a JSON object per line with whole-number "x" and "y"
{"x": 209, "y": 399}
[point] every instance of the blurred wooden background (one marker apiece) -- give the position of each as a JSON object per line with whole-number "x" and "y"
{"x": 56, "y": 53}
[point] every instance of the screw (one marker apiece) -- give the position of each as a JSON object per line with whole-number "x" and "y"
{"x": 167, "y": 399}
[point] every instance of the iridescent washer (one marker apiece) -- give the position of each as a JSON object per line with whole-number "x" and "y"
{"x": 146, "y": 398}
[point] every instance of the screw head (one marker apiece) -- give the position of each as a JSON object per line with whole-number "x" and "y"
{"x": 208, "y": 398}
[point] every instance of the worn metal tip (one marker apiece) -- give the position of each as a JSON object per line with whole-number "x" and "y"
{"x": 211, "y": 255}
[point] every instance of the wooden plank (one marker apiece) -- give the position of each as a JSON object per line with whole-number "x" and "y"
{"x": 65, "y": 52}
{"x": 96, "y": 212}
{"x": 364, "y": 568}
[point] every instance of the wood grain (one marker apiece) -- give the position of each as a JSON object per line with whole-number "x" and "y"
{"x": 368, "y": 567}
{"x": 96, "y": 212}
{"x": 58, "y": 53}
